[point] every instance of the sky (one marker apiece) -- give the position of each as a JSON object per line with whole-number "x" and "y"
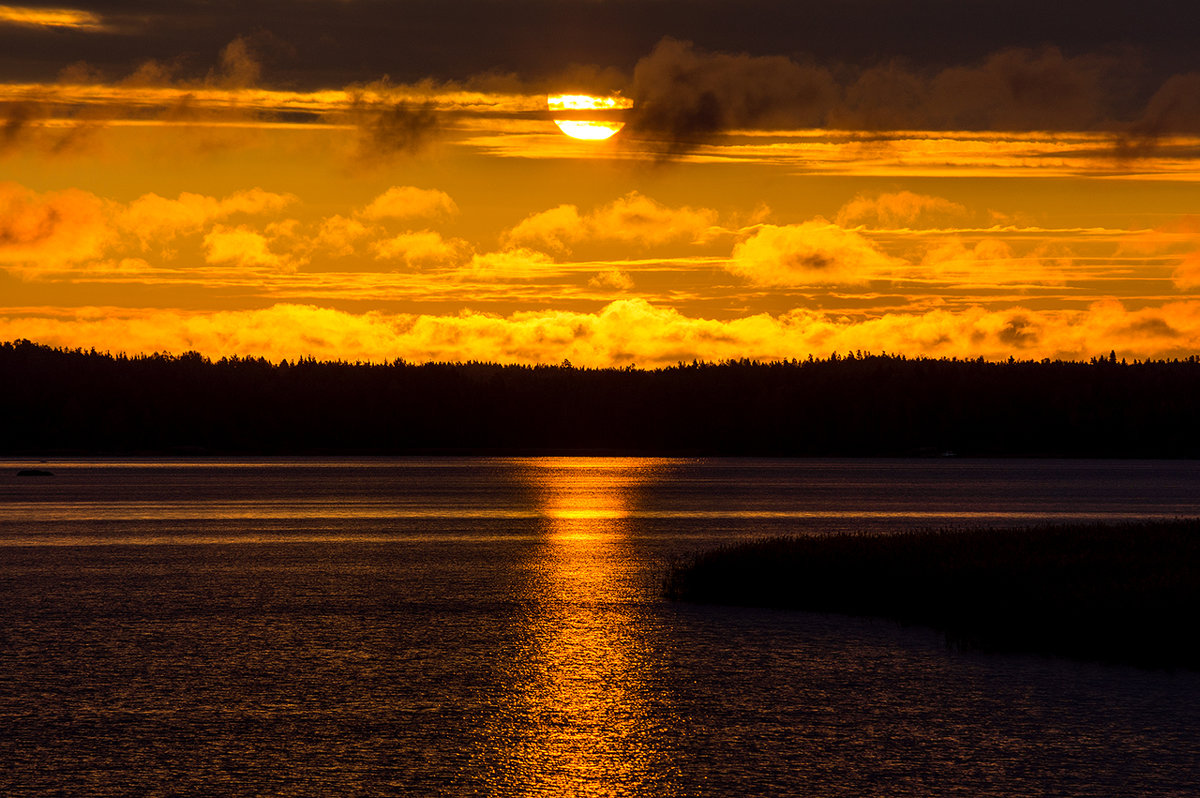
{"x": 366, "y": 180}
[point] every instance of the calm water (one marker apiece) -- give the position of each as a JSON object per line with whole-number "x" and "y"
{"x": 492, "y": 627}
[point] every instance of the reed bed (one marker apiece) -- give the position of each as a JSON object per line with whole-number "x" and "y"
{"x": 1127, "y": 593}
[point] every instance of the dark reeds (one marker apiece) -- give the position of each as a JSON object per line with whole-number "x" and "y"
{"x": 1127, "y": 593}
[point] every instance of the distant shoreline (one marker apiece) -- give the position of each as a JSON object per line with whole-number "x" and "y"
{"x": 58, "y": 401}
{"x": 1126, "y": 593}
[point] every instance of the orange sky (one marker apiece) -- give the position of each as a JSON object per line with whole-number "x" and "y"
{"x": 452, "y": 220}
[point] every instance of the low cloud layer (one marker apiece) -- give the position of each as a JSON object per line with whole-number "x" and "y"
{"x": 627, "y": 331}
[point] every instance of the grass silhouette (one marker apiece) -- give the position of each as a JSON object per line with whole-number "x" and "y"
{"x": 1126, "y": 593}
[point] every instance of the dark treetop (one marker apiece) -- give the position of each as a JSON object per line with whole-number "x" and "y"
{"x": 59, "y": 401}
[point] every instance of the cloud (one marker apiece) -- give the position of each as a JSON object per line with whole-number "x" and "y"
{"x": 17, "y": 118}
{"x": 338, "y": 234}
{"x": 633, "y": 219}
{"x": 815, "y": 252}
{"x": 154, "y": 218}
{"x": 612, "y": 278}
{"x": 42, "y": 232}
{"x": 1179, "y": 238}
{"x": 993, "y": 262}
{"x": 390, "y": 124}
{"x": 1187, "y": 273}
{"x": 902, "y": 209}
{"x": 1012, "y": 89}
{"x": 554, "y": 230}
{"x": 1021, "y": 89}
{"x": 237, "y": 66}
{"x": 409, "y": 202}
{"x": 1174, "y": 109}
{"x": 622, "y": 332}
{"x": 23, "y": 125}
{"x": 683, "y": 96}
{"x": 75, "y": 19}
{"x": 422, "y": 249}
{"x": 243, "y": 247}
{"x": 511, "y": 264}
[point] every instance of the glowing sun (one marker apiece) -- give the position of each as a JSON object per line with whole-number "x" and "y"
{"x": 588, "y": 129}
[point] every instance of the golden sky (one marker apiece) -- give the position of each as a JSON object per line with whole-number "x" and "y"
{"x": 1024, "y": 200}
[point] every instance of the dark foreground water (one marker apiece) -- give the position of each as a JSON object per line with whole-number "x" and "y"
{"x": 492, "y": 627}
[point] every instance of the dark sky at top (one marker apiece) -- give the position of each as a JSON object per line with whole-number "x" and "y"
{"x": 324, "y": 43}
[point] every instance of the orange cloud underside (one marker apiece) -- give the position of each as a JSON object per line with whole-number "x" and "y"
{"x": 49, "y": 17}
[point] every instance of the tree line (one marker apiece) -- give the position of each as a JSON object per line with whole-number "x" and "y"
{"x": 72, "y": 401}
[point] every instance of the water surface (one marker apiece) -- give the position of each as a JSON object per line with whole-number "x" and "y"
{"x": 493, "y": 627}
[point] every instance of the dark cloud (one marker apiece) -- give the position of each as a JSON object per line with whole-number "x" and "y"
{"x": 1174, "y": 109}
{"x": 1152, "y": 327}
{"x": 1015, "y": 89}
{"x": 237, "y": 67}
{"x": 1019, "y": 332}
{"x": 683, "y": 96}
{"x": 16, "y": 118}
{"x": 390, "y": 128}
{"x": 21, "y": 126}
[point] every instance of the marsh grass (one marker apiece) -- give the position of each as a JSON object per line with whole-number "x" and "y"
{"x": 1125, "y": 593}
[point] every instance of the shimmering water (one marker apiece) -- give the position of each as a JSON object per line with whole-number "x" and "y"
{"x": 492, "y": 627}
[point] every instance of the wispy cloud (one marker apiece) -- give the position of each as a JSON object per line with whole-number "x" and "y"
{"x": 72, "y": 18}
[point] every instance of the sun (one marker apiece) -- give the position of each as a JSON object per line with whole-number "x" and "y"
{"x": 591, "y": 129}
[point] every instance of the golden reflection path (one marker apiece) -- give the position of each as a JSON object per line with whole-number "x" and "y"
{"x": 585, "y": 719}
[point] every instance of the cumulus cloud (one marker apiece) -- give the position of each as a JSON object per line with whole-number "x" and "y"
{"x": 902, "y": 209}
{"x": 243, "y": 247}
{"x": 338, "y": 234}
{"x": 44, "y": 231}
{"x": 815, "y": 252}
{"x": 994, "y": 262}
{"x": 154, "y": 218}
{"x": 409, "y": 202}
{"x": 554, "y": 230}
{"x": 612, "y": 278}
{"x": 633, "y": 219}
{"x": 422, "y": 249}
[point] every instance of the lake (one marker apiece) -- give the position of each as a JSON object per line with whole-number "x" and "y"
{"x": 480, "y": 626}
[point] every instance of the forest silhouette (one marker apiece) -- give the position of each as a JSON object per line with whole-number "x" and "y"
{"x": 60, "y": 401}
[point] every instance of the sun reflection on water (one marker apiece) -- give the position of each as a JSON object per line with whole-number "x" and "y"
{"x": 584, "y": 720}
